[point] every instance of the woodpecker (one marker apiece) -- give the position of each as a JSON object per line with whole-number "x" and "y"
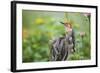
{"x": 61, "y": 47}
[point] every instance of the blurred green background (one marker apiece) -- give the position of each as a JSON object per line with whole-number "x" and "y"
{"x": 40, "y": 27}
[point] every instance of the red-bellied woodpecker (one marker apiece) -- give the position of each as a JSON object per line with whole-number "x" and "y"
{"x": 63, "y": 46}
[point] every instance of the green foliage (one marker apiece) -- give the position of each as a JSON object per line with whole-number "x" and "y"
{"x": 39, "y": 27}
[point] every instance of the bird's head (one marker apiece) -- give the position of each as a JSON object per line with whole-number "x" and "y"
{"x": 68, "y": 26}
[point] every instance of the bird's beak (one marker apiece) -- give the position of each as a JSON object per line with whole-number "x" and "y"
{"x": 62, "y": 23}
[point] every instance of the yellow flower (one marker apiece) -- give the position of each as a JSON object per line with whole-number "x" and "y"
{"x": 25, "y": 33}
{"x": 39, "y": 21}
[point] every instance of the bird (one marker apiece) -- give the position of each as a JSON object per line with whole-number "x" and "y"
{"x": 61, "y": 47}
